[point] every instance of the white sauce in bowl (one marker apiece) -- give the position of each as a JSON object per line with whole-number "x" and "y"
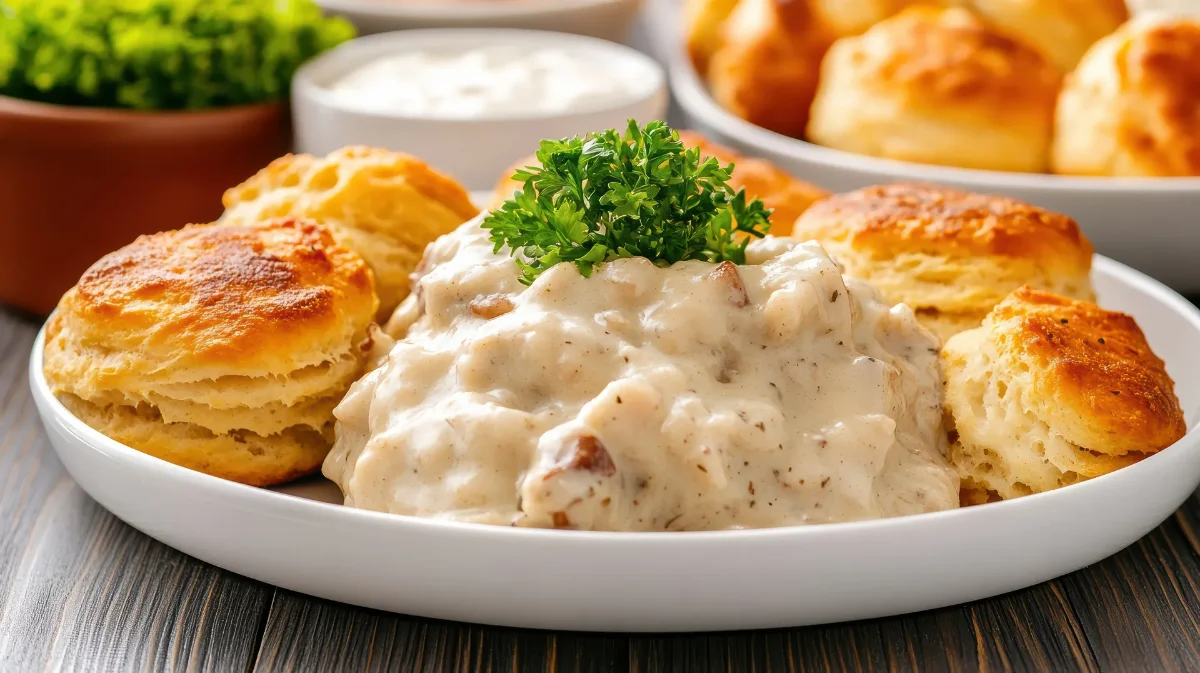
{"x": 492, "y": 81}
{"x": 643, "y": 398}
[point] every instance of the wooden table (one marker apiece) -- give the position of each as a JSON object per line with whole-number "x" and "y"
{"x": 82, "y": 591}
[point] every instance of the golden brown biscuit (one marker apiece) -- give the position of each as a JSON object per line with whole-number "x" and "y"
{"x": 386, "y": 206}
{"x": 222, "y": 348}
{"x": 1061, "y": 29}
{"x": 507, "y": 185}
{"x": 1050, "y": 391}
{"x": 1132, "y": 108}
{"x": 950, "y": 255}
{"x": 787, "y": 196}
{"x": 937, "y": 86}
{"x": 703, "y": 24}
{"x": 851, "y": 17}
{"x": 767, "y": 66}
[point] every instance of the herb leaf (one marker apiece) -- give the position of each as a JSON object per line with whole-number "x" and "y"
{"x": 608, "y": 196}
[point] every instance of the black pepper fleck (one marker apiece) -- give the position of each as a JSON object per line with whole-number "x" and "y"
{"x": 1101, "y": 339}
{"x": 824, "y": 482}
{"x": 1115, "y": 392}
{"x": 834, "y": 296}
{"x": 1063, "y": 321}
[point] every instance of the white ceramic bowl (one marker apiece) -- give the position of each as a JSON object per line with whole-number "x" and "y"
{"x": 1151, "y": 224}
{"x": 722, "y": 580}
{"x": 607, "y": 19}
{"x": 476, "y": 151}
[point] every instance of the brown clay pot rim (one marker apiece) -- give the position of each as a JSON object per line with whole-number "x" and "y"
{"x": 21, "y": 108}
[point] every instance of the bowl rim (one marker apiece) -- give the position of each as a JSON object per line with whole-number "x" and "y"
{"x": 463, "y": 9}
{"x": 691, "y": 94}
{"x": 308, "y": 82}
{"x": 284, "y": 504}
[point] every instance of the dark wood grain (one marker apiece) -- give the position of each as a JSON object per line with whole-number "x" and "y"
{"x": 81, "y": 591}
{"x": 312, "y": 635}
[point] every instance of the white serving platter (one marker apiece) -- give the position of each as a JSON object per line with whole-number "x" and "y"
{"x": 298, "y": 538}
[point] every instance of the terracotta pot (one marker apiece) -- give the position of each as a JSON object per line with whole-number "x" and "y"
{"x": 76, "y": 183}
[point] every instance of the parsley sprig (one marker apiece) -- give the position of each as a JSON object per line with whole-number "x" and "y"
{"x": 609, "y": 196}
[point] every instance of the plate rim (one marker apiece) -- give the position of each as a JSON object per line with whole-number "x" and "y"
{"x": 274, "y": 502}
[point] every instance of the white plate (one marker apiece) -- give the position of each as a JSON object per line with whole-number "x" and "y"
{"x": 653, "y": 581}
{"x": 607, "y": 19}
{"x": 1148, "y": 223}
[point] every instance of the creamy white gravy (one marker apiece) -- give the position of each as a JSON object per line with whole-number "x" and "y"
{"x": 502, "y": 80}
{"x": 694, "y": 397}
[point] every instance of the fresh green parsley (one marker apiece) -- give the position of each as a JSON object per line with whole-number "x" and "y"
{"x": 609, "y": 196}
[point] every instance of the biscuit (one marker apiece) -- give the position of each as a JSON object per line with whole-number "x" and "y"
{"x": 851, "y": 17}
{"x": 950, "y": 255}
{"x": 767, "y": 67}
{"x": 1050, "y": 391}
{"x": 385, "y": 205}
{"x": 785, "y": 195}
{"x": 1061, "y": 29}
{"x": 1132, "y": 107}
{"x": 937, "y": 86}
{"x": 222, "y": 348}
{"x": 703, "y": 24}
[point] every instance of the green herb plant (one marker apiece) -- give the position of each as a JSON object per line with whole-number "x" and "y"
{"x": 614, "y": 195}
{"x": 159, "y": 54}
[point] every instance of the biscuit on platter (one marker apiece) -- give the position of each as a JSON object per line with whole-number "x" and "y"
{"x": 1050, "y": 391}
{"x": 222, "y": 348}
{"x": 1132, "y": 107}
{"x": 937, "y": 86}
{"x": 386, "y": 206}
{"x": 950, "y": 255}
{"x": 703, "y": 23}
{"x": 767, "y": 67}
{"x": 785, "y": 195}
{"x": 1061, "y": 29}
